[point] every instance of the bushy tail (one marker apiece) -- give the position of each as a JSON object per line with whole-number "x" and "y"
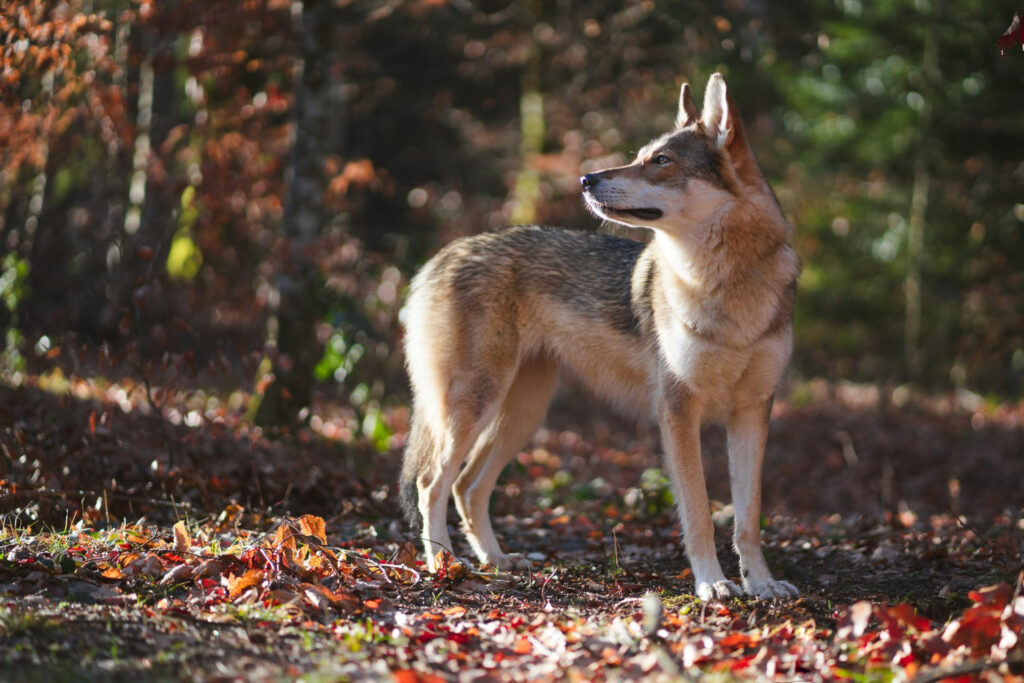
{"x": 417, "y": 455}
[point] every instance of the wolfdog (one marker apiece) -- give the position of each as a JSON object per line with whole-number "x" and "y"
{"x": 693, "y": 327}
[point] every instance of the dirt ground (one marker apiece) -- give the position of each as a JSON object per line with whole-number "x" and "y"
{"x": 135, "y": 547}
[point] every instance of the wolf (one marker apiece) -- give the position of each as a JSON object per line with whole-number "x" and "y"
{"x": 693, "y": 327}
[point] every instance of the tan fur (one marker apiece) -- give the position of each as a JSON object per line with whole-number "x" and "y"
{"x": 694, "y": 327}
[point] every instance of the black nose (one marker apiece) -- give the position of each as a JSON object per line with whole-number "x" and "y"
{"x": 588, "y": 181}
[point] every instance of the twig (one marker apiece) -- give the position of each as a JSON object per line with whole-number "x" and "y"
{"x": 159, "y": 415}
{"x": 544, "y": 586}
{"x": 626, "y": 601}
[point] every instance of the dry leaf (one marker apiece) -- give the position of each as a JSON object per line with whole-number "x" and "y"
{"x": 311, "y": 525}
{"x": 182, "y": 540}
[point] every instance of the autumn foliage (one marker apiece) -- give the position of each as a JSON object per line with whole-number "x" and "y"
{"x": 147, "y": 242}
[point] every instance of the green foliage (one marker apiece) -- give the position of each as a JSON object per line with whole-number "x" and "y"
{"x": 376, "y": 429}
{"x": 12, "y": 281}
{"x": 13, "y": 278}
{"x": 339, "y": 358}
{"x": 184, "y": 258}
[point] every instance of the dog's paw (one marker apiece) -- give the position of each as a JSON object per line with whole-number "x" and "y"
{"x": 718, "y": 590}
{"x": 510, "y": 562}
{"x": 772, "y": 589}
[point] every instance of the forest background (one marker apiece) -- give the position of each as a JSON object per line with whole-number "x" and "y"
{"x": 210, "y": 212}
{"x": 200, "y": 179}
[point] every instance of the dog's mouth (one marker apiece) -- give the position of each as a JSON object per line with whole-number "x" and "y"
{"x": 643, "y": 213}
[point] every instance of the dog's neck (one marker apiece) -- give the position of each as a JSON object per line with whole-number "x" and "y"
{"x": 738, "y": 234}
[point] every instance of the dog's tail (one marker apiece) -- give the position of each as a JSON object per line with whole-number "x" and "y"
{"x": 418, "y": 453}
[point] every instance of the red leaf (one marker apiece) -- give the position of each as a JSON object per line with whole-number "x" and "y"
{"x": 996, "y": 596}
{"x": 410, "y": 676}
{"x": 900, "y": 618}
{"x": 978, "y": 628}
{"x": 1013, "y": 36}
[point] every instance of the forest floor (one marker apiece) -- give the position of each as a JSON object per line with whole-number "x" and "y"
{"x": 136, "y": 546}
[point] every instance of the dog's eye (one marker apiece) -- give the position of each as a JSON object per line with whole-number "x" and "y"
{"x": 661, "y": 160}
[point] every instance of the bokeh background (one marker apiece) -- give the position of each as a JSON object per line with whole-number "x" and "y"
{"x": 224, "y": 200}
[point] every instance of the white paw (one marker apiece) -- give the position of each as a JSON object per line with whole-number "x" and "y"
{"x": 505, "y": 562}
{"x": 718, "y": 590}
{"x": 772, "y": 589}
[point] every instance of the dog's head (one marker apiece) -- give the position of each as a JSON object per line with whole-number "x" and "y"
{"x": 684, "y": 176}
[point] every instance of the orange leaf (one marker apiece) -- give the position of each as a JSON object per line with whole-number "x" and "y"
{"x": 238, "y": 584}
{"x": 284, "y": 538}
{"x": 311, "y": 525}
{"x": 456, "y": 611}
{"x": 411, "y": 676}
{"x": 92, "y": 422}
{"x": 457, "y": 570}
{"x": 112, "y": 573}
{"x": 182, "y": 540}
{"x": 739, "y": 640}
{"x": 523, "y": 647}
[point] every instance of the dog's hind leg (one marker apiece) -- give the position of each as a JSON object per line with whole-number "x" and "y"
{"x": 471, "y": 404}
{"x": 521, "y": 412}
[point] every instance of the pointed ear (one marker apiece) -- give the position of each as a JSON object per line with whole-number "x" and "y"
{"x": 717, "y": 116}
{"x": 687, "y": 109}
{"x": 722, "y": 124}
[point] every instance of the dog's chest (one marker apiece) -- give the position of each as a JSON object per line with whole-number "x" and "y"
{"x": 720, "y": 375}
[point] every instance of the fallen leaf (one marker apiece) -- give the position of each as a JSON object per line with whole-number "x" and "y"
{"x": 311, "y": 525}
{"x": 182, "y": 540}
{"x": 236, "y": 585}
{"x": 176, "y": 574}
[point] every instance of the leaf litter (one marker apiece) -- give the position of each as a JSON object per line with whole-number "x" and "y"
{"x": 212, "y": 582}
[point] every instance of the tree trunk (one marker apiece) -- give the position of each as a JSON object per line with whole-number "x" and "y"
{"x": 151, "y": 218}
{"x": 299, "y": 283}
{"x": 919, "y": 209}
{"x": 159, "y": 210}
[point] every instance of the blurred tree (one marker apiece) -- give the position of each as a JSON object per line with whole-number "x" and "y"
{"x": 880, "y": 103}
{"x": 153, "y": 218}
{"x": 299, "y": 283}
{"x": 904, "y": 180}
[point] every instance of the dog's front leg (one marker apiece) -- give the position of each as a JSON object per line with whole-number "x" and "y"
{"x": 747, "y": 434}
{"x": 679, "y": 418}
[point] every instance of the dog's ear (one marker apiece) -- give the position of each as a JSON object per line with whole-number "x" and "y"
{"x": 717, "y": 116}
{"x": 687, "y": 109}
{"x": 722, "y": 124}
